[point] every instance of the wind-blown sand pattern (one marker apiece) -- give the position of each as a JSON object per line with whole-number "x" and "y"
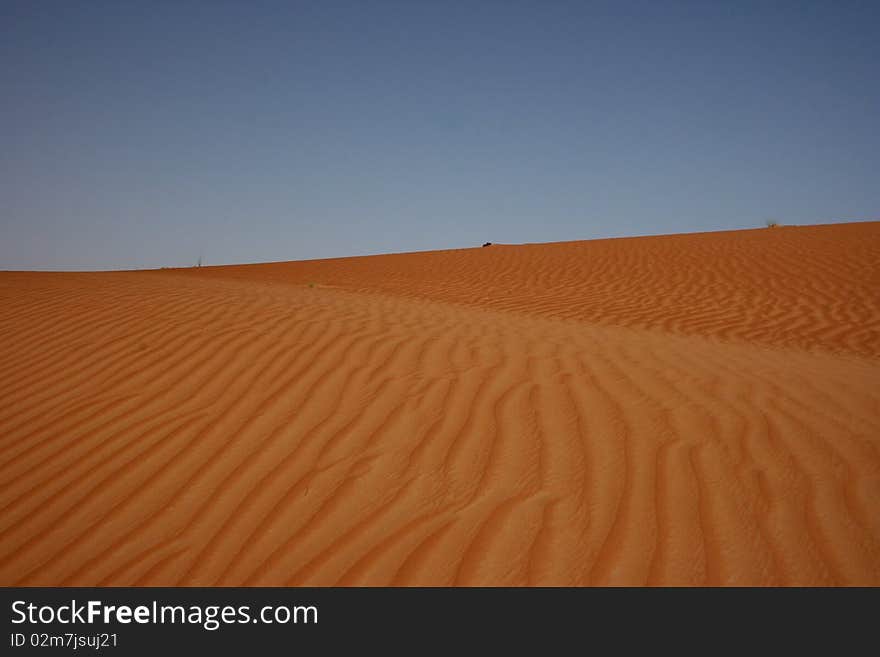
{"x": 687, "y": 410}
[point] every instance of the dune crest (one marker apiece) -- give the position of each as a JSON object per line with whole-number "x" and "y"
{"x": 686, "y": 410}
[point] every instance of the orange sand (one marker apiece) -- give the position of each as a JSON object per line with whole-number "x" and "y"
{"x": 691, "y": 409}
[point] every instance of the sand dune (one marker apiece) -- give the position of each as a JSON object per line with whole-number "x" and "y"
{"x": 690, "y": 409}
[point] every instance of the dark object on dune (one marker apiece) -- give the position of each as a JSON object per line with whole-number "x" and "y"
{"x": 488, "y": 244}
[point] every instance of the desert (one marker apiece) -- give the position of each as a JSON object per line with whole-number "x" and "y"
{"x": 690, "y": 409}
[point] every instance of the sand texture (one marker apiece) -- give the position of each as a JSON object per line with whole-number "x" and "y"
{"x": 686, "y": 410}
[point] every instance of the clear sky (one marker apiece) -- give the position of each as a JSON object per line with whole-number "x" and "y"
{"x": 146, "y": 134}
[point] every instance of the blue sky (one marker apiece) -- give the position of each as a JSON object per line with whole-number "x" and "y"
{"x": 148, "y": 134}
